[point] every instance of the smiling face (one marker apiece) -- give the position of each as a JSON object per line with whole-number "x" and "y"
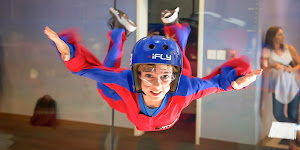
{"x": 155, "y": 81}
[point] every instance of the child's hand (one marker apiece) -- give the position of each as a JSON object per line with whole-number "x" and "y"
{"x": 60, "y": 44}
{"x": 244, "y": 81}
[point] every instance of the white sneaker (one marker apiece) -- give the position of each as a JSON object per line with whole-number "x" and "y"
{"x": 170, "y": 16}
{"x": 121, "y": 20}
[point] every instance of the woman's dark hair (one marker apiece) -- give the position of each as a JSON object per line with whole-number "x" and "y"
{"x": 271, "y": 33}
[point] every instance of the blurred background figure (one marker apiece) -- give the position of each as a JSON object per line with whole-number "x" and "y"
{"x": 281, "y": 63}
{"x": 44, "y": 112}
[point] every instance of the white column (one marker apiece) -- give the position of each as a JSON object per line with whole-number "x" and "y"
{"x": 200, "y": 69}
{"x": 141, "y": 19}
{"x": 141, "y": 31}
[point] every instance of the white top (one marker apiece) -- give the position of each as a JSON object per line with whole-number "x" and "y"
{"x": 283, "y": 83}
{"x": 285, "y": 59}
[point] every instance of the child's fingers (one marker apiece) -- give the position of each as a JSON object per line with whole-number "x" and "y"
{"x": 234, "y": 84}
{"x": 258, "y": 72}
{"x": 50, "y": 30}
{"x": 51, "y": 34}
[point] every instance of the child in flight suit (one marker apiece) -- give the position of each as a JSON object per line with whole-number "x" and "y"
{"x": 159, "y": 85}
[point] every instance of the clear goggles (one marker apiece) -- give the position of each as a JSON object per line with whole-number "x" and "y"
{"x": 151, "y": 76}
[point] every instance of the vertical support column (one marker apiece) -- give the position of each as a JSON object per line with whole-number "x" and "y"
{"x": 141, "y": 19}
{"x": 112, "y": 128}
{"x": 141, "y": 31}
{"x": 112, "y": 110}
{"x": 200, "y": 68}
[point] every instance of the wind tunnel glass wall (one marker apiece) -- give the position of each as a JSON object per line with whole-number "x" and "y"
{"x": 31, "y": 67}
{"x": 230, "y": 31}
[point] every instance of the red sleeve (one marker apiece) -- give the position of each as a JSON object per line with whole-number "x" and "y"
{"x": 242, "y": 66}
{"x": 83, "y": 58}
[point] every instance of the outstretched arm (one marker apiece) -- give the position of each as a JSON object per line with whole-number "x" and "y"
{"x": 235, "y": 74}
{"x": 246, "y": 80}
{"x": 82, "y": 62}
{"x": 76, "y": 57}
{"x": 62, "y": 47}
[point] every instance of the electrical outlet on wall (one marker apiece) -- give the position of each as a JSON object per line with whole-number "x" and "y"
{"x": 221, "y": 54}
{"x": 211, "y": 54}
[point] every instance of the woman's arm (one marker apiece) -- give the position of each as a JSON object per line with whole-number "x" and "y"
{"x": 296, "y": 59}
{"x": 265, "y": 58}
{"x": 265, "y": 61}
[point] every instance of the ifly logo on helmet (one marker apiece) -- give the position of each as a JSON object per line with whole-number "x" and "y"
{"x": 161, "y": 56}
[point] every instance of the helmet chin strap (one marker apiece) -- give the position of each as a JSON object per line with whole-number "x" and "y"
{"x": 142, "y": 92}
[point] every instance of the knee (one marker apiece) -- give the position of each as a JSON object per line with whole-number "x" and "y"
{"x": 279, "y": 116}
{"x": 293, "y": 115}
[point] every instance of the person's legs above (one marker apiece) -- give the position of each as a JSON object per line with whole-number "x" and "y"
{"x": 170, "y": 17}
{"x": 179, "y": 32}
{"x": 115, "y": 51}
{"x": 121, "y": 20}
{"x": 121, "y": 27}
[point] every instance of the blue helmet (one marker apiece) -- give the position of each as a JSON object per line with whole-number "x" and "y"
{"x": 156, "y": 50}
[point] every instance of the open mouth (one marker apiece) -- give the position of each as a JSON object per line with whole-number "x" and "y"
{"x": 155, "y": 93}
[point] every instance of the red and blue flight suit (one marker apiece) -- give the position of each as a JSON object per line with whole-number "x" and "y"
{"x": 116, "y": 85}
